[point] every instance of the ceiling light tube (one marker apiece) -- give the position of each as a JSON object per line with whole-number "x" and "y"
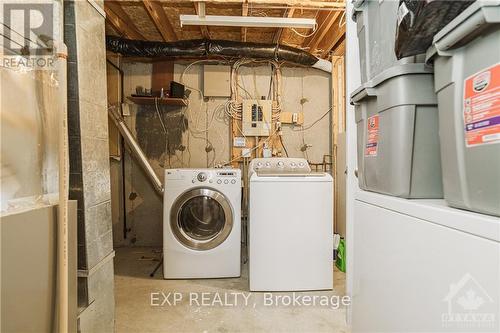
{"x": 248, "y": 21}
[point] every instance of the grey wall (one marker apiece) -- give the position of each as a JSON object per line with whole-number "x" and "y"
{"x": 304, "y": 89}
{"x": 89, "y": 156}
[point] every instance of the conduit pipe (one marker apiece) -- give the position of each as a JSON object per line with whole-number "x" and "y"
{"x": 136, "y": 151}
{"x": 62, "y": 291}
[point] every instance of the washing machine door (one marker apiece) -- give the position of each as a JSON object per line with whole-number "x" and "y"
{"x": 201, "y": 219}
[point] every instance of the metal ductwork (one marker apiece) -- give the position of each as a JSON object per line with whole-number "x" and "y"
{"x": 136, "y": 151}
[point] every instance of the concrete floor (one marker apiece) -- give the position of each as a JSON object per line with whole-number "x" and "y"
{"x": 135, "y": 312}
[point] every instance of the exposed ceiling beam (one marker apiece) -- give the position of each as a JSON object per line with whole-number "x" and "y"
{"x": 199, "y": 8}
{"x": 244, "y": 12}
{"x": 325, "y": 27}
{"x": 162, "y": 23}
{"x": 306, "y": 4}
{"x": 340, "y": 49}
{"x": 122, "y": 23}
{"x": 278, "y": 36}
{"x": 330, "y": 43}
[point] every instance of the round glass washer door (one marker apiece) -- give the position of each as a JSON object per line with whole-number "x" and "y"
{"x": 201, "y": 219}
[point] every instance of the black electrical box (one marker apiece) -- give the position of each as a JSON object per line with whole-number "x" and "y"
{"x": 176, "y": 90}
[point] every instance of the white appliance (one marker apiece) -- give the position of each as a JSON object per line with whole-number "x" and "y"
{"x": 420, "y": 265}
{"x": 290, "y": 226}
{"x": 202, "y": 223}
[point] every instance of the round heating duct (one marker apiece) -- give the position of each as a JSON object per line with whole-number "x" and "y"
{"x": 205, "y": 48}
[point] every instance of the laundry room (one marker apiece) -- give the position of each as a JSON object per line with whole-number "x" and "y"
{"x": 249, "y": 166}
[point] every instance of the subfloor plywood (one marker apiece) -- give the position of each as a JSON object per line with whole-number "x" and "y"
{"x": 134, "y": 313}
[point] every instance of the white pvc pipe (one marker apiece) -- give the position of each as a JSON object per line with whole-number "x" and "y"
{"x": 62, "y": 218}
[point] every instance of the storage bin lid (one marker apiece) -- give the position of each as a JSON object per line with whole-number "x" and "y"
{"x": 356, "y": 4}
{"x": 366, "y": 89}
{"x": 466, "y": 26}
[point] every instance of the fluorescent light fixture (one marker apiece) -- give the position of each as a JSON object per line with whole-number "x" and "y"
{"x": 248, "y": 21}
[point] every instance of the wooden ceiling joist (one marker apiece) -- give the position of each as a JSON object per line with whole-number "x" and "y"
{"x": 340, "y": 49}
{"x": 160, "y": 20}
{"x": 328, "y": 44}
{"x": 278, "y": 36}
{"x": 244, "y": 12}
{"x": 284, "y": 3}
{"x": 199, "y": 8}
{"x": 324, "y": 27}
{"x": 120, "y": 21}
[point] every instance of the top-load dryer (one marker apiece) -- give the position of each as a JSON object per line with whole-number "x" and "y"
{"x": 290, "y": 227}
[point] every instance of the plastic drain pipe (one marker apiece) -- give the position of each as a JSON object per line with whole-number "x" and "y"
{"x": 136, "y": 151}
{"x": 62, "y": 207}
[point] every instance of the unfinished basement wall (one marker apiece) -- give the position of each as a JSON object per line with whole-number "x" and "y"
{"x": 304, "y": 90}
{"x": 89, "y": 162}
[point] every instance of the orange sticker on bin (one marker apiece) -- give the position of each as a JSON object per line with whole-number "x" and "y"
{"x": 481, "y": 107}
{"x": 372, "y": 137}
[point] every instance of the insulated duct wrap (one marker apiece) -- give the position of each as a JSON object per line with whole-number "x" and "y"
{"x": 207, "y": 48}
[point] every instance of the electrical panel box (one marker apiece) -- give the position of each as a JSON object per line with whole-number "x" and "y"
{"x": 257, "y": 117}
{"x": 216, "y": 81}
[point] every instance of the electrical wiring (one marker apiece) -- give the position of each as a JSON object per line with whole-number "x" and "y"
{"x": 232, "y": 109}
{"x": 342, "y": 20}
{"x": 305, "y": 128}
{"x": 254, "y": 148}
{"x": 308, "y": 35}
{"x": 167, "y": 146}
{"x": 283, "y": 145}
{"x": 196, "y": 132}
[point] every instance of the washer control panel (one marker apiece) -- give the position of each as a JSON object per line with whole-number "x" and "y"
{"x": 279, "y": 165}
{"x": 204, "y": 177}
{"x": 216, "y": 176}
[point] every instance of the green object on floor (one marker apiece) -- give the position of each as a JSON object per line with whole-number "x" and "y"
{"x": 340, "y": 262}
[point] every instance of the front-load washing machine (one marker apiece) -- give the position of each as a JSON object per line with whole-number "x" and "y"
{"x": 201, "y": 223}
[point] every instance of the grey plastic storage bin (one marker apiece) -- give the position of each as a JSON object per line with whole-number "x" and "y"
{"x": 376, "y": 23}
{"x": 397, "y": 130}
{"x": 466, "y": 55}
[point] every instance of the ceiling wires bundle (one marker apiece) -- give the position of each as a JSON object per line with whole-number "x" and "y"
{"x": 235, "y": 107}
{"x": 232, "y": 109}
{"x": 194, "y": 129}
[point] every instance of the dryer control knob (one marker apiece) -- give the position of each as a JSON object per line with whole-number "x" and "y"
{"x": 202, "y": 177}
{"x": 226, "y": 181}
{"x": 281, "y": 164}
{"x": 301, "y": 164}
{"x": 233, "y": 181}
{"x": 219, "y": 181}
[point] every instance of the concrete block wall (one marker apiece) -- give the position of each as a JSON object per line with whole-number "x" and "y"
{"x": 89, "y": 166}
